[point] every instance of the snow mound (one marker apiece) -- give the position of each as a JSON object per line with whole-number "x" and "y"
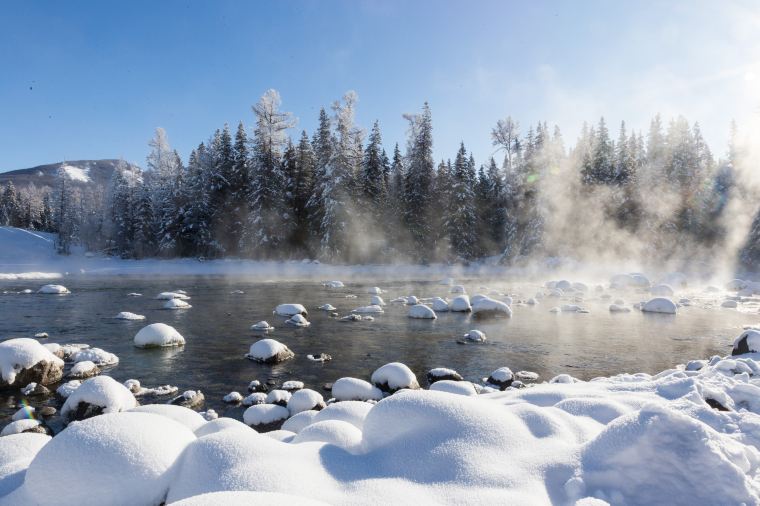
{"x": 354, "y": 389}
{"x": 476, "y": 336}
{"x": 20, "y": 426}
{"x": 180, "y": 414}
{"x": 269, "y": 351}
{"x": 53, "y": 290}
{"x": 126, "y": 315}
{"x": 158, "y": 335}
{"x": 265, "y": 417}
{"x": 421, "y": 311}
{"x": 102, "y": 393}
{"x": 394, "y": 376}
{"x": 501, "y": 378}
{"x": 333, "y": 284}
{"x": 454, "y": 387}
{"x": 374, "y": 291}
{"x": 16, "y": 453}
{"x": 305, "y": 400}
{"x": 460, "y": 303}
{"x": 440, "y": 305}
{"x": 731, "y": 304}
{"x": 124, "y": 458}
{"x": 244, "y": 498}
{"x": 457, "y": 289}
{"x": 334, "y": 432}
{"x": 660, "y": 305}
{"x": 353, "y": 412}
{"x": 376, "y": 300}
{"x": 491, "y": 307}
{"x": 290, "y": 310}
{"x": 299, "y": 421}
{"x": 617, "y": 308}
{"x": 18, "y": 355}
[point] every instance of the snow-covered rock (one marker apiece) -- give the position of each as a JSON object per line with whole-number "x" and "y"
{"x": 98, "y": 356}
{"x": 66, "y": 389}
{"x": 265, "y": 417}
{"x": 440, "y": 305}
{"x": 126, "y": 315}
{"x": 327, "y": 307}
{"x": 279, "y": 397}
{"x": 747, "y": 342}
{"x": 101, "y": 394}
{"x": 176, "y": 304}
{"x": 83, "y": 370}
{"x": 53, "y": 290}
{"x": 476, "y": 336}
{"x": 332, "y": 284}
{"x": 158, "y": 335}
{"x": 422, "y": 311}
{"x": 393, "y": 377}
{"x": 305, "y": 400}
{"x": 617, "y": 308}
{"x": 299, "y": 421}
{"x": 736, "y": 284}
{"x": 269, "y": 351}
{"x": 292, "y": 385}
{"x": 660, "y": 305}
{"x": 290, "y": 310}
{"x": 374, "y": 291}
{"x": 460, "y": 303}
{"x": 411, "y": 300}
{"x": 233, "y": 398}
{"x": 442, "y": 373}
{"x": 298, "y": 320}
{"x": 491, "y": 307}
{"x": 501, "y": 378}
{"x": 16, "y": 453}
{"x": 24, "y": 361}
{"x": 119, "y": 458}
{"x": 23, "y": 426}
{"x": 354, "y": 389}
{"x": 190, "y": 399}
{"x": 729, "y": 303}
{"x": 376, "y": 300}
{"x": 262, "y": 326}
{"x": 171, "y": 295}
{"x": 457, "y": 289}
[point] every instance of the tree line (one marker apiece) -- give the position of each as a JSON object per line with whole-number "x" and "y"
{"x": 340, "y": 195}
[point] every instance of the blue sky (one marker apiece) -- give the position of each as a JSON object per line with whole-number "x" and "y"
{"x": 92, "y": 79}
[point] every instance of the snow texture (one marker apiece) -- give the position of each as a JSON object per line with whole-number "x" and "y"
{"x": 23, "y": 353}
{"x": 102, "y": 391}
{"x": 158, "y": 335}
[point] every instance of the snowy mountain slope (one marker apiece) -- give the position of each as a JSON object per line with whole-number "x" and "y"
{"x": 80, "y": 172}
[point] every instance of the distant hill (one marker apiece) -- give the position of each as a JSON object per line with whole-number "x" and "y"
{"x": 80, "y": 172}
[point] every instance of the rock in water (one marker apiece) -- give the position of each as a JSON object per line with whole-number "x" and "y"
{"x": 747, "y": 342}
{"x": 157, "y": 335}
{"x": 394, "y": 377}
{"x": 269, "y": 351}
{"x": 24, "y": 361}
{"x": 501, "y": 378}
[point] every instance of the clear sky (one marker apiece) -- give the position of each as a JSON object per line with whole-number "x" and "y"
{"x": 92, "y": 79}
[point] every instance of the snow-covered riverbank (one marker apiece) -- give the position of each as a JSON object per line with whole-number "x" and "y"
{"x": 690, "y": 435}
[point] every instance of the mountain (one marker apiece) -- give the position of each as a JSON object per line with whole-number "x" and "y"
{"x": 79, "y": 172}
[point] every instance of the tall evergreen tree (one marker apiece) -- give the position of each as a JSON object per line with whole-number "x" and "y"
{"x": 418, "y": 183}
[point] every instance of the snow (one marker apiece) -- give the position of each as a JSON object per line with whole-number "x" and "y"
{"x": 298, "y": 320}
{"x": 176, "y": 304}
{"x": 454, "y": 387}
{"x": 333, "y": 432}
{"x": 487, "y": 306}
{"x": 158, "y": 335}
{"x": 617, "y": 308}
{"x": 747, "y": 342}
{"x": 233, "y": 397}
{"x": 731, "y": 304}
{"x": 53, "y": 290}
{"x": 394, "y": 376}
{"x": 16, "y": 453}
{"x": 255, "y": 398}
{"x": 78, "y": 174}
{"x": 266, "y": 350}
{"x": 305, "y": 400}
{"x": 327, "y": 307}
{"x": 124, "y": 457}
{"x": 333, "y": 284}
{"x": 101, "y": 391}
{"x": 126, "y": 315}
{"x": 66, "y": 389}
{"x": 278, "y": 396}
{"x": 460, "y": 303}
{"x": 376, "y": 300}
{"x": 290, "y": 310}
{"x": 185, "y": 416}
{"x": 374, "y": 291}
{"x": 98, "y": 356}
{"x": 82, "y": 368}
{"x": 373, "y": 309}
{"x": 19, "y": 426}
{"x": 297, "y": 422}
{"x": 263, "y": 414}
{"x": 457, "y": 289}
{"x": 422, "y": 311}
{"x": 660, "y": 305}
{"x": 662, "y": 290}
{"x": 354, "y": 389}
{"x": 22, "y": 353}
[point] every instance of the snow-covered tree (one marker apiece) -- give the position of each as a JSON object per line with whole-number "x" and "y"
{"x": 461, "y": 220}
{"x": 418, "y": 182}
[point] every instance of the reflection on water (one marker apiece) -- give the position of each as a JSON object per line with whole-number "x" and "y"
{"x": 217, "y": 333}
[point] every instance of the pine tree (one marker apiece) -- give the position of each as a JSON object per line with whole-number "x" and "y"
{"x": 373, "y": 173}
{"x": 66, "y": 220}
{"x": 196, "y": 236}
{"x": 322, "y": 144}
{"x": 270, "y": 223}
{"x": 238, "y": 190}
{"x": 462, "y": 213}
{"x": 418, "y": 183}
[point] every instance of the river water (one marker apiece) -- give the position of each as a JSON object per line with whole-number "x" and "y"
{"x": 216, "y": 328}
